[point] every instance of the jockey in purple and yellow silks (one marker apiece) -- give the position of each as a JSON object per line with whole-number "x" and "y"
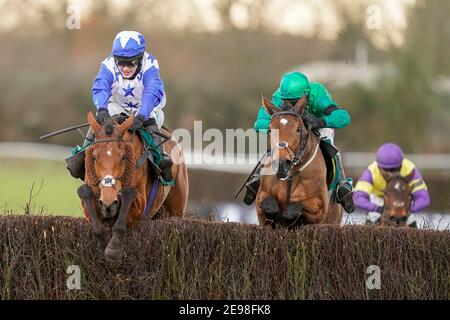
{"x": 369, "y": 189}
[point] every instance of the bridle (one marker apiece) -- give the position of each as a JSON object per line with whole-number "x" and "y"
{"x": 298, "y": 154}
{"x": 109, "y": 180}
{"x": 300, "y": 151}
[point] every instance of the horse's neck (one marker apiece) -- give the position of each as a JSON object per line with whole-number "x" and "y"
{"x": 308, "y": 153}
{"x": 310, "y": 147}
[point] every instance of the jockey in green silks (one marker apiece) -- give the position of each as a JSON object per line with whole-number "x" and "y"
{"x": 323, "y": 114}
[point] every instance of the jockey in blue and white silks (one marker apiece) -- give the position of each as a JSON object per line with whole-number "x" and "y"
{"x": 141, "y": 91}
{"x": 129, "y": 82}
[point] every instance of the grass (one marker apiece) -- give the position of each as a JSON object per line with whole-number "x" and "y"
{"x": 45, "y": 186}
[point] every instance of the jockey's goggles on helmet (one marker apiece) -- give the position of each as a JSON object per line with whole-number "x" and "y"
{"x": 128, "y": 62}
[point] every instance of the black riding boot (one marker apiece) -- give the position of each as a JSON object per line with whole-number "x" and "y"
{"x": 75, "y": 163}
{"x": 166, "y": 163}
{"x": 252, "y": 186}
{"x": 344, "y": 188}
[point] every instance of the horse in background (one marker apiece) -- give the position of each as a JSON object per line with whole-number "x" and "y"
{"x": 119, "y": 191}
{"x": 397, "y": 201}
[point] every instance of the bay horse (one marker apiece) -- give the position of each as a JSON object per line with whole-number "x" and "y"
{"x": 397, "y": 200}
{"x": 298, "y": 193}
{"x": 118, "y": 190}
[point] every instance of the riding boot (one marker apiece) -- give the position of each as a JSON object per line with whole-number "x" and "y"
{"x": 252, "y": 186}
{"x": 75, "y": 163}
{"x": 166, "y": 163}
{"x": 344, "y": 188}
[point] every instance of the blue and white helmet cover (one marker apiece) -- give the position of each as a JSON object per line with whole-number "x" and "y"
{"x": 128, "y": 44}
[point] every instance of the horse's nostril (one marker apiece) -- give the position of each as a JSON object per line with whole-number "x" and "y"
{"x": 287, "y": 164}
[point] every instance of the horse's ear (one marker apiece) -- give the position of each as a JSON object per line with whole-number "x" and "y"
{"x": 270, "y": 107}
{"x": 301, "y": 104}
{"x": 96, "y": 127}
{"x": 125, "y": 125}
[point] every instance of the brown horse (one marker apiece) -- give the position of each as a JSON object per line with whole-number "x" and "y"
{"x": 298, "y": 193}
{"x": 397, "y": 200}
{"x": 118, "y": 190}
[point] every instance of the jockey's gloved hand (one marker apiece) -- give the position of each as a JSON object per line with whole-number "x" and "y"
{"x": 138, "y": 122}
{"x": 315, "y": 123}
{"x": 102, "y": 115}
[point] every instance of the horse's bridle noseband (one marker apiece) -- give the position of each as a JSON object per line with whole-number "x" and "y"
{"x": 299, "y": 153}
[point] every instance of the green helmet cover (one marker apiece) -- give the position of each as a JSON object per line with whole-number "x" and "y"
{"x": 294, "y": 85}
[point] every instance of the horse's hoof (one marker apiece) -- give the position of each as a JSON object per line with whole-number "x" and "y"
{"x": 114, "y": 254}
{"x": 292, "y": 212}
{"x": 270, "y": 207}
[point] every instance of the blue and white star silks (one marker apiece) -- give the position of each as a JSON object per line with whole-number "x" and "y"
{"x": 128, "y": 91}
{"x": 143, "y": 93}
{"x": 131, "y": 105}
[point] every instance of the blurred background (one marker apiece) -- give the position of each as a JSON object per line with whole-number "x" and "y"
{"x": 386, "y": 62}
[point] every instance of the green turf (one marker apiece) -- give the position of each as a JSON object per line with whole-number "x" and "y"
{"x": 58, "y": 194}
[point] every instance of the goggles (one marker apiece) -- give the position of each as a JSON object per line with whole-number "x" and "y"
{"x": 130, "y": 62}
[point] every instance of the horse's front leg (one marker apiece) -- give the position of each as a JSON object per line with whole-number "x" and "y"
{"x": 305, "y": 211}
{"x": 267, "y": 208}
{"x": 98, "y": 229}
{"x": 114, "y": 251}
